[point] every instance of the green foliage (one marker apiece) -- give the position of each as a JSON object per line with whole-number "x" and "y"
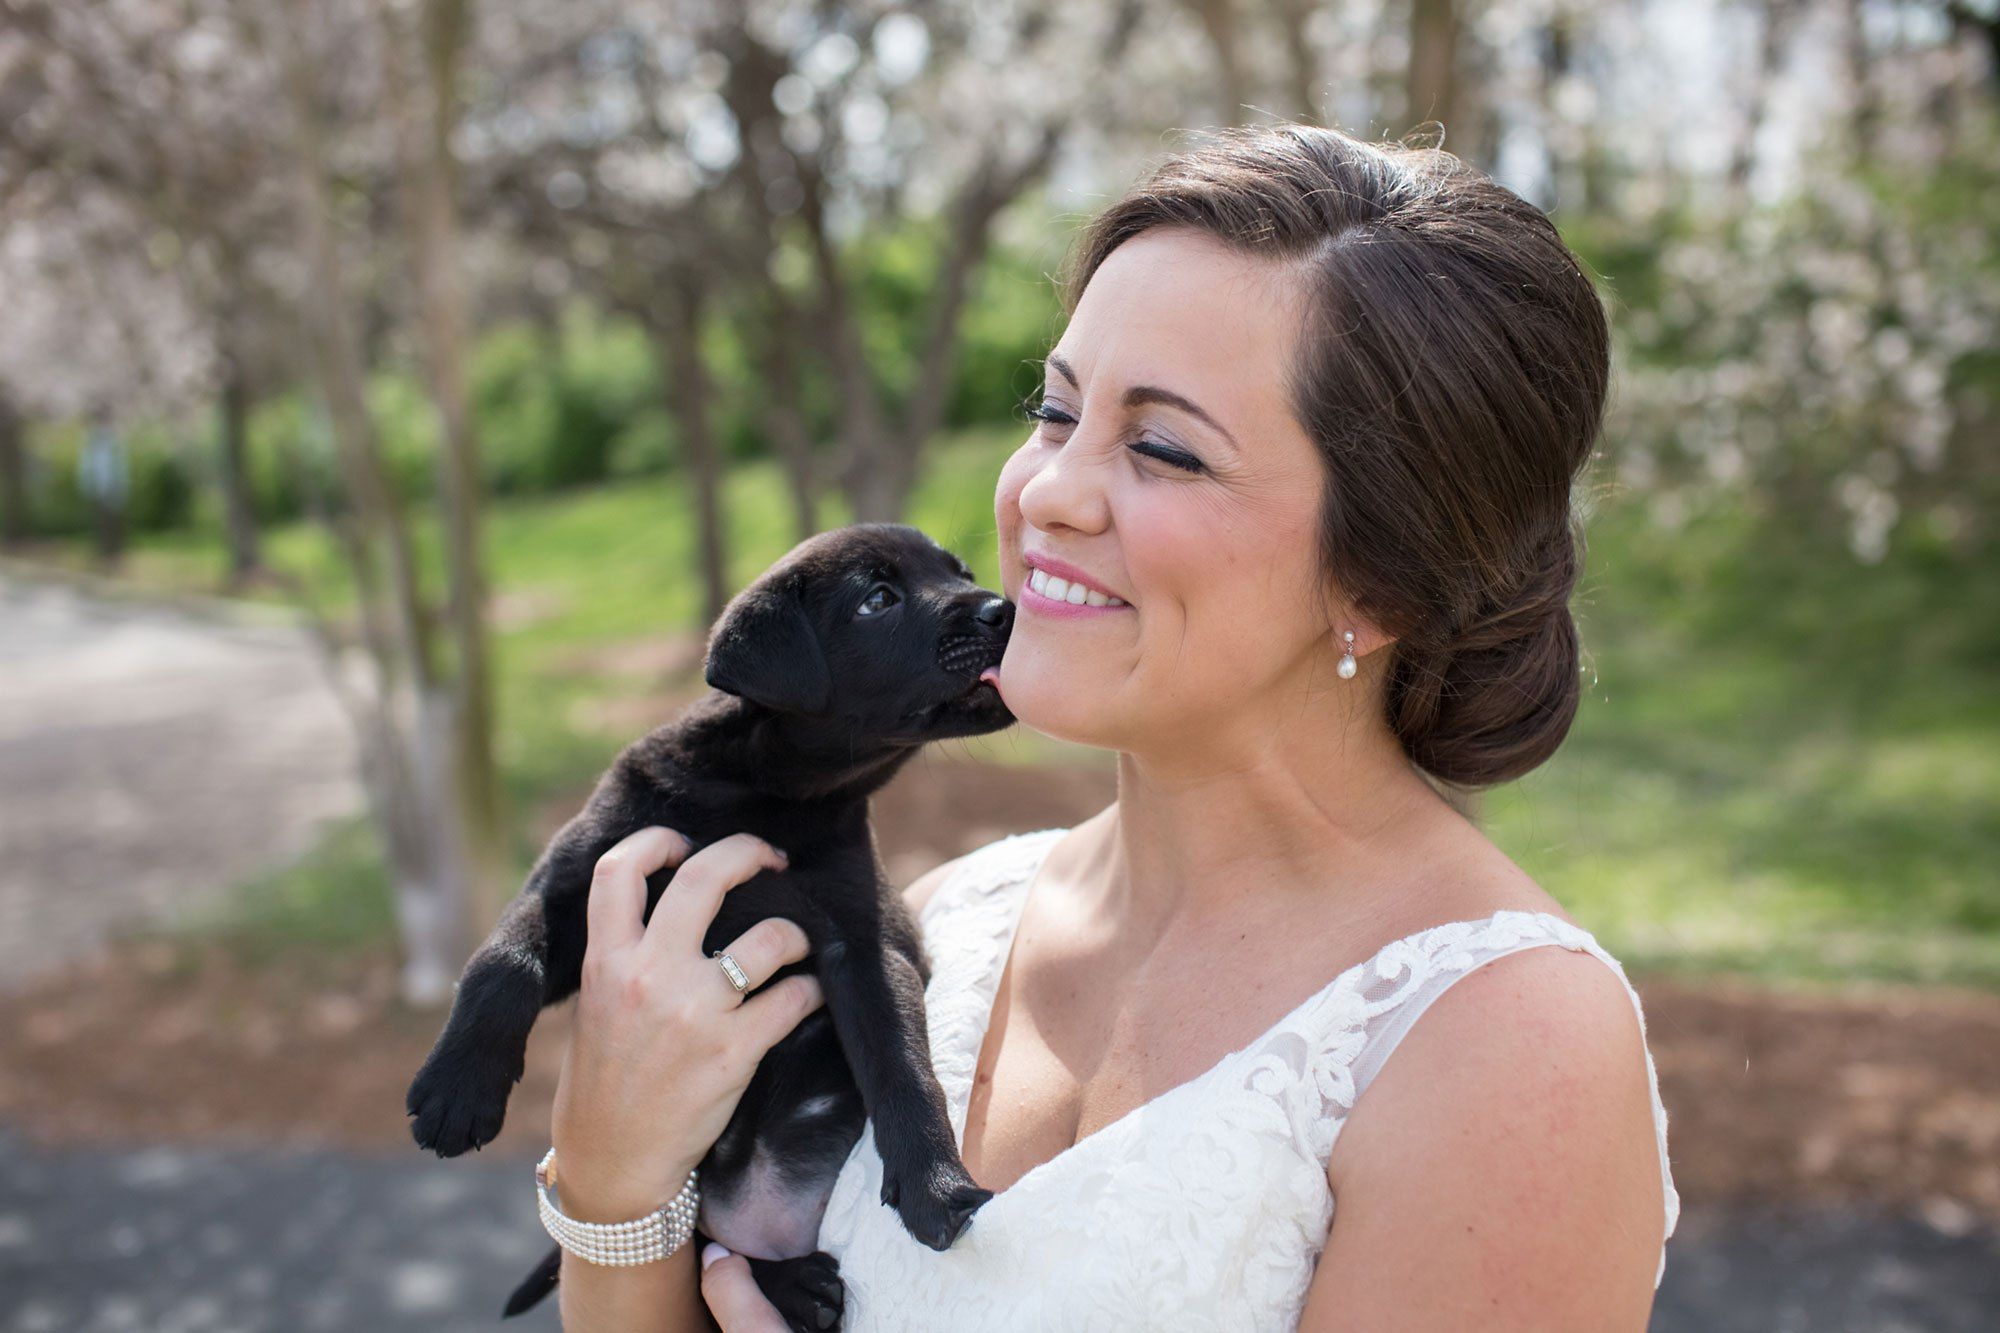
{"x": 1780, "y": 766}
{"x": 1011, "y": 321}
{"x": 290, "y": 457}
{"x": 161, "y": 480}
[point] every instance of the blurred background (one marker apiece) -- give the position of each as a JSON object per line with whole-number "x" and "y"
{"x": 391, "y": 391}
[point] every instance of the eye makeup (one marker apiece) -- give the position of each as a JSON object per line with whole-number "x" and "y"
{"x": 1171, "y": 455}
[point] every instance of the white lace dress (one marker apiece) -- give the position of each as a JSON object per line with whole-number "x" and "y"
{"x": 1205, "y": 1208}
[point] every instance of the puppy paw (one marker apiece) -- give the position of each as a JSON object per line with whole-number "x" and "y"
{"x": 458, "y": 1102}
{"x": 936, "y": 1207}
{"x": 807, "y": 1290}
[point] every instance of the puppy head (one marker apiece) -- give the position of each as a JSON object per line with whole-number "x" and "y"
{"x": 875, "y": 627}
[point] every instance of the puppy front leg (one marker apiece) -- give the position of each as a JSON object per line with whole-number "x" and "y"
{"x": 533, "y": 958}
{"x": 876, "y": 998}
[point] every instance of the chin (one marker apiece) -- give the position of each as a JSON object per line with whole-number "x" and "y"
{"x": 1048, "y": 701}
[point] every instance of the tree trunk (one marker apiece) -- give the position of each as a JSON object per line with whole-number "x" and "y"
{"x": 1301, "y": 62}
{"x": 1433, "y": 64}
{"x": 430, "y": 176}
{"x": 878, "y": 466}
{"x": 411, "y": 789}
{"x": 1771, "y": 40}
{"x": 784, "y": 420}
{"x": 1221, "y": 22}
{"x": 13, "y": 477}
{"x": 239, "y": 519}
{"x": 677, "y": 343}
{"x": 1863, "y": 101}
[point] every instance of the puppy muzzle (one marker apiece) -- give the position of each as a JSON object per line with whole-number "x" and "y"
{"x": 969, "y": 653}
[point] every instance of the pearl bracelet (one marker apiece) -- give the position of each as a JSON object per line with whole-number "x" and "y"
{"x": 643, "y": 1240}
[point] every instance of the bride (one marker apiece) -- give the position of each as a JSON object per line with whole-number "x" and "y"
{"x": 1279, "y": 1039}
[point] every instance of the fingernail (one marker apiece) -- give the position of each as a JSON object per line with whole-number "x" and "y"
{"x": 711, "y": 1252}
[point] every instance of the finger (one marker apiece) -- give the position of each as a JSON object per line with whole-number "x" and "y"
{"x": 764, "y": 948}
{"x": 615, "y": 914}
{"x": 731, "y": 1292}
{"x": 772, "y": 1014}
{"x": 692, "y": 900}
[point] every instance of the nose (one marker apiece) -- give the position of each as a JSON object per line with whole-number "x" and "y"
{"x": 995, "y": 613}
{"x": 1067, "y": 491}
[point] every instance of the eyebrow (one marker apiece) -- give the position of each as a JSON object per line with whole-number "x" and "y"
{"x": 1141, "y": 394}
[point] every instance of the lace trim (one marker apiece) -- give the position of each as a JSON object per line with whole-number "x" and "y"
{"x": 1233, "y": 1157}
{"x": 968, "y": 957}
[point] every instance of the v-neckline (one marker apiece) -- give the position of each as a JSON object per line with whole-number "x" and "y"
{"x": 1017, "y": 910}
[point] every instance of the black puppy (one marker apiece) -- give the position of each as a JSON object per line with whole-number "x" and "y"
{"x": 830, "y": 671}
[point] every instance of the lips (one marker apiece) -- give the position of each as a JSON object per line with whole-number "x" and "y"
{"x": 1060, "y": 581}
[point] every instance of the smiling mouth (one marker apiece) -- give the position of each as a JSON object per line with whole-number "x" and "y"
{"x": 1062, "y": 590}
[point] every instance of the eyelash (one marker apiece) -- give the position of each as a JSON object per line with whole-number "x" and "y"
{"x": 1172, "y": 457}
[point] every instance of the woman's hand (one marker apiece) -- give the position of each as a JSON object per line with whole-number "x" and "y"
{"x": 733, "y": 1295}
{"x": 663, "y": 1045}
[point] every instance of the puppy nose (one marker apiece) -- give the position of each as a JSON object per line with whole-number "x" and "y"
{"x": 994, "y": 611}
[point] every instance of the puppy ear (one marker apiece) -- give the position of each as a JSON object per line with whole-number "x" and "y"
{"x": 764, "y": 649}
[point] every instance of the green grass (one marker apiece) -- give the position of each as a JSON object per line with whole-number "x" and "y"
{"x": 1785, "y": 764}
{"x": 334, "y": 900}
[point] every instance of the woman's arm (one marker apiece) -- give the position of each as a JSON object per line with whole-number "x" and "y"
{"x": 664, "y": 1297}
{"x": 662, "y": 1049}
{"x": 1502, "y": 1172}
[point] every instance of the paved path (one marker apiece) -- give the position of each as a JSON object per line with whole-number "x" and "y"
{"x": 149, "y": 757}
{"x": 213, "y": 1241}
{"x": 167, "y": 1240}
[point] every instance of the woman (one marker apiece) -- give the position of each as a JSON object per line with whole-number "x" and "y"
{"x": 1293, "y": 537}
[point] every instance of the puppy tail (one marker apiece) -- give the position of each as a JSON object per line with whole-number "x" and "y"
{"x": 535, "y": 1286}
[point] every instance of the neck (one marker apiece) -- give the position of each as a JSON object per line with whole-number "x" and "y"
{"x": 787, "y": 756}
{"x": 1318, "y": 806}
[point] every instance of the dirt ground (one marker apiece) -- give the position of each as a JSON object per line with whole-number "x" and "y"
{"x": 1889, "y": 1099}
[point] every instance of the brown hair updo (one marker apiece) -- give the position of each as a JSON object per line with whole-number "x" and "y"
{"x": 1452, "y": 372}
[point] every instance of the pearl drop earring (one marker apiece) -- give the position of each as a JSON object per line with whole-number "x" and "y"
{"x": 1347, "y": 667}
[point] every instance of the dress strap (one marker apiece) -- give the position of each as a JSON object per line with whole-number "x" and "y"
{"x": 1405, "y": 979}
{"x": 967, "y": 926}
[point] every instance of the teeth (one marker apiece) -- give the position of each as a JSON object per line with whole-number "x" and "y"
{"x": 1062, "y": 590}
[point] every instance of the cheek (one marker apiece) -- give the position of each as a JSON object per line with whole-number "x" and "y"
{"x": 1014, "y": 476}
{"x": 1230, "y": 585}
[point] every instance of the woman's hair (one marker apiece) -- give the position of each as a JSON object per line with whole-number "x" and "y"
{"x": 1452, "y": 373}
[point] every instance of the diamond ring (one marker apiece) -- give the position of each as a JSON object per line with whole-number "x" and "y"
{"x": 732, "y": 971}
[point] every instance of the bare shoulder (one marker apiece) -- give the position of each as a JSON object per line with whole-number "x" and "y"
{"x": 1509, "y": 1142}
{"x": 1545, "y": 1033}
{"x": 923, "y": 886}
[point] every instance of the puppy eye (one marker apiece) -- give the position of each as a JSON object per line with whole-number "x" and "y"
{"x": 879, "y": 599}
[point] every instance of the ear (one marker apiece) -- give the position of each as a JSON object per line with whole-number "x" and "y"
{"x": 765, "y": 650}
